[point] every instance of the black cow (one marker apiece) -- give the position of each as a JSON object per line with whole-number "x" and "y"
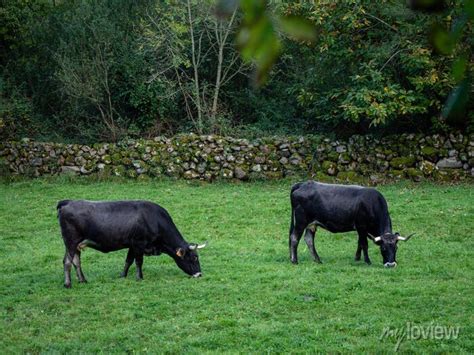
{"x": 143, "y": 227}
{"x": 338, "y": 209}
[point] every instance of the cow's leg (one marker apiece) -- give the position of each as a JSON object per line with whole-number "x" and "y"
{"x": 67, "y": 270}
{"x": 139, "y": 263}
{"x": 309, "y": 239}
{"x": 128, "y": 262}
{"x": 364, "y": 245}
{"x": 358, "y": 251}
{"x": 298, "y": 226}
{"x": 76, "y": 261}
{"x": 71, "y": 239}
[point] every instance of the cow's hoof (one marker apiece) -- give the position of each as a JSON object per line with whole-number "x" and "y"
{"x": 357, "y": 258}
{"x": 83, "y": 281}
{"x": 368, "y": 262}
{"x": 67, "y": 285}
{"x": 122, "y": 274}
{"x": 318, "y": 261}
{"x": 294, "y": 262}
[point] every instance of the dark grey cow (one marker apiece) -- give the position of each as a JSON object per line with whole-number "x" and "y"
{"x": 338, "y": 209}
{"x": 144, "y": 228}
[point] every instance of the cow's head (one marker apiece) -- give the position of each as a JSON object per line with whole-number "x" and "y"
{"x": 188, "y": 260}
{"x": 388, "y": 246}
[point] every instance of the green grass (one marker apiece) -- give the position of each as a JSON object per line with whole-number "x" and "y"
{"x": 250, "y": 298}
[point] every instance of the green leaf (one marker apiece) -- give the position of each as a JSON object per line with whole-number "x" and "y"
{"x": 441, "y": 39}
{"x": 456, "y": 103}
{"x": 259, "y": 43}
{"x": 253, "y": 10}
{"x": 298, "y": 28}
{"x": 459, "y": 68}
{"x": 469, "y": 7}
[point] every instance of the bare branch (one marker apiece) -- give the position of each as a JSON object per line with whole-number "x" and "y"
{"x": 391, "y": 57}
{"x": 382, "y": 21}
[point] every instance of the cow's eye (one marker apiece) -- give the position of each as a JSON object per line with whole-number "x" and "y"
{"x": 195, "y": 258}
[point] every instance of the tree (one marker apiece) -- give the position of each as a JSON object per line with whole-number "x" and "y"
{"x": 195, "y": 55}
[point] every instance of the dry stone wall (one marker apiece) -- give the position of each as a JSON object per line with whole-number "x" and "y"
{"x": 212, "y": 157}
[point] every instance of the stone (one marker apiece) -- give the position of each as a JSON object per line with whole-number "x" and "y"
{"x": 344, "y": 158}
{"x": 210, "y": 157}
{"x": 240, "y": 173}
{"x": 333, "y": 156}
{"x": 374, "y": 178}
{"x": 332, "y": 171}
{"x": 201, "y": 168}
{"x": 36, "y": 162}
{"x": 85, "y": 171}
{"x": 402, "y": 162}
{"x": 285, "y": 153}
{"x": 295, "y": 160}
{"x": 449, "y": 163}
{"x": 427, "y": 168}
{"x": 119, "y": 170}
{"x": 70, "y": 170}
{"x": 107, "y": 159}
{"x": 430, "y": 153}
{"x": 397, "y": 174}
{"x": 414, "y": 174}
{"x": 341, "y": 149}
{"x": 190, "y": 175}
{"x": 259, "y": 159}
{"x": 329, "y": 167}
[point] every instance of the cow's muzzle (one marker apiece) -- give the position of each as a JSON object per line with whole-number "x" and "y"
{"x": 393, "y": 264}
{"x": 197, "y": 274}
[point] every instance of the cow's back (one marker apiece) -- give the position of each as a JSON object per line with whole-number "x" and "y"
{"x": 332, "y": 206}
{"x": 114, "y": 225}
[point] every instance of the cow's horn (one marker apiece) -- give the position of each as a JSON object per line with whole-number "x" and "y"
{"x": 195, "y": 246}
{"x": 200, "y": 246}
{"x": 405, "y": 238}
{"x": 375, "y": 239}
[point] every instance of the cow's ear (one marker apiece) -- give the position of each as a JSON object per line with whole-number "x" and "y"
{"x": 180, "y": 252}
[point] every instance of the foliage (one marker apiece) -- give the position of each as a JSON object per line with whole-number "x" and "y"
{"x": 250, "y": 298}
{"x": 105, "y": 70}
{"x": 374, "y": 65}
{"x": 16, "y": 113}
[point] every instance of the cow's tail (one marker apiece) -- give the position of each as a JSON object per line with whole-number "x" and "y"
{"x": 292, "y": 223}
{"x": 61, "y": 204}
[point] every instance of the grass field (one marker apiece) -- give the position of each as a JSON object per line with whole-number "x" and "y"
{"x": 250, "y": 297}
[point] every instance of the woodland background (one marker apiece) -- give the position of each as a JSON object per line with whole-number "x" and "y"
{"x": 89, "y": 71}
